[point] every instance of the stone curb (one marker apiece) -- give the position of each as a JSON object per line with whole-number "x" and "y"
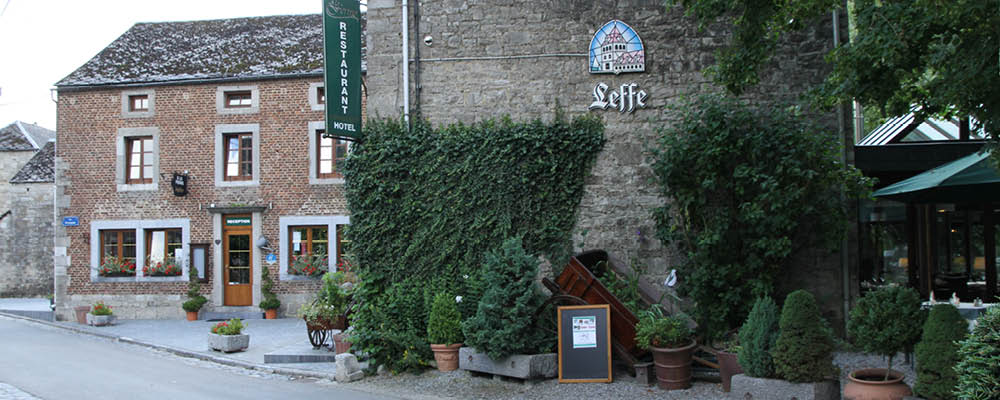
{"x": 291, "y": 372}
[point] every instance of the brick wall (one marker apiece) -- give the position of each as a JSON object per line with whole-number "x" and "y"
{"x": 524, "y": 59}
{"x": 186, "y": 116}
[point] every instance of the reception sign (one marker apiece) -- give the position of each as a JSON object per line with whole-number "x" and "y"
{"x": 342, "y": 69}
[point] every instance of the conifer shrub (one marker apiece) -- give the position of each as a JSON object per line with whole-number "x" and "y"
{"x": 270, "y": 301}
{"x": 979, "y": 366}
{"x": 937, "y": 353}
{"x": 444, "y": 324}
{"x": 886, "y": 321}
{"x": 504, "y": 321}
{"x": 804, "y": 349}
{"x": 757, "y": 337}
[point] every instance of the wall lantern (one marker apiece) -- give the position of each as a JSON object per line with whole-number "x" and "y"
{"x": 180, "y": 184}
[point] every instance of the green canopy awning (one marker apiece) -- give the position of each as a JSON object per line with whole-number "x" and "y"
{"x": 970, "y": 179}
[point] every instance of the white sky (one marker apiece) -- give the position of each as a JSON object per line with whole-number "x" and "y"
{"x": 43, "y": 41}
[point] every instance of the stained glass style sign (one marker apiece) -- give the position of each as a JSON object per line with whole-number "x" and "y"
{"x": 616, "y": 49}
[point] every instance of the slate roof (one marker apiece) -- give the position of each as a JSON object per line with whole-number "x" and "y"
{"x": 238, "y": 48}
{"x": 22, "y": 136}
{"x": 39, "y": 168}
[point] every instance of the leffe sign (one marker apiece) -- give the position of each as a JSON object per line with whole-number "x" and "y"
{"x": 342, "y": 69}
{"x": 617, "y": 49}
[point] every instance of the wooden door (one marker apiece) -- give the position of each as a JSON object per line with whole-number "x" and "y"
{"x": 237, "y": 262}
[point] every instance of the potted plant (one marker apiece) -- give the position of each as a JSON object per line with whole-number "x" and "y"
{"x": 670, "y": 340}
{"x": 937, "y": 352}
{"x": 195, "y": 300}
{"x": 444, "y": 331}
{"x": 227, "y": 336}
{"x": 329, "y": 308}
{"x": 342, "y": 342}
{"x": 270, "y": 303}
{"x": 885, "y": 322}
{"x": 100, "y": 315}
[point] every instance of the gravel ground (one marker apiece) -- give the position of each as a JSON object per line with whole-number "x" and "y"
{"x": 461, "y": 385}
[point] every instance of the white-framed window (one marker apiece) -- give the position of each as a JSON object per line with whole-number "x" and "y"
{"x": 325, "y": 156}
{"x": 237, "y": 99}
{"x": 138, "y": 103}
{"x": 151, "y": 249}
{"x": 303, "y": 236}
{"x": 317, "y": 96}
{"x": 237, "y": 155}
{"x": 137, "y": 159}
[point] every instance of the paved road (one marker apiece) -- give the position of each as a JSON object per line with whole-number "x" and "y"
{"x": 51, "y": 363}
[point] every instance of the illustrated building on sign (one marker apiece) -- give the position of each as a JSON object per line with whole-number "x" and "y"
{"x": 615, "y": 49}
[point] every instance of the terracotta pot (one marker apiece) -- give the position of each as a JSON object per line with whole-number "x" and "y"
{"x": 192, "y": 315}
{"x": 729, "y": 365}
{"x": 868, "y": 384}
{"x": 271, "y": 314}
{"x": 673, "y": 366}
{"x": 81, "y": 314}
{"x": 446, "y": 356}
{"x": 340, "y": 345}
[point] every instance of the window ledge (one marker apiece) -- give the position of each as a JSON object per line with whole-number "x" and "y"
{"x": 179, "y": 278}
{"x": 298, "y": 278}
{"x": 143, "y": 187}
{"x": 326, "y": 181}
{"x": 238, "y": 183}
{"x": 99, "y": 278}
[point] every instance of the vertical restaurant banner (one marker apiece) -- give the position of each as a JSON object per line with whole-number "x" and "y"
{"x": 342, "y": 67}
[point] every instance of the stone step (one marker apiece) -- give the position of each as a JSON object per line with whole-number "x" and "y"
{"x": 227, "y": 315}
{"x": 303, "y": 353}
{"x": 42, "y": 315}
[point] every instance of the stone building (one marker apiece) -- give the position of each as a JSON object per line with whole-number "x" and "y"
{"x": 475, "y": 60}
{"x": 197, "y": 144}
{"x": 26, "y": 192}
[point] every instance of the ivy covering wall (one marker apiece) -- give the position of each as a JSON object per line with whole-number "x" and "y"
{"x": 428, "y": 203}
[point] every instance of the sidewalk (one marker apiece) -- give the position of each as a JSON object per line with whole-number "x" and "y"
{"x": 286, "y": 336}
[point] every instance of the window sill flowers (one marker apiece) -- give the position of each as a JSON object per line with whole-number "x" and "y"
{"x": 116, "y": 266}
{"x": 311, "y": 265}
{"x": 167, "y": 267}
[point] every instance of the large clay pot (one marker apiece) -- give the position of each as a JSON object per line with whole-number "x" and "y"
{"x": 446, "y": 356}
{"x": 729, "y": 365}
{"x": 869, "y": 384}
{"x": 81, "y": 314}
{"x": 673, "y": 366}
{"x": 340, "y": 345}
{"x": 192, "y": 315}
{"x": 271, "y": 313}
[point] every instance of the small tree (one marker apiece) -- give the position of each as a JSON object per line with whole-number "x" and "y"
{"x": 979, "y": 368}
{"x": 886, "y": 321}
{"x": 804, "y": 349}
{"x": 270, "y": 301}
{"x": 504, "y": 321}
{"x": 444, "y": 324}
{"x": 937, "y": 352}
{"x": 757, "y": 337}
{"x": 195, "y": 300}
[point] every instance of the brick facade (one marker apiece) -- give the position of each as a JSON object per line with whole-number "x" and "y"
{"x": 185, "y": 120}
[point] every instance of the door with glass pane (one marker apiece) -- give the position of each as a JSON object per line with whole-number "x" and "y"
{"x": 237, "y": 259}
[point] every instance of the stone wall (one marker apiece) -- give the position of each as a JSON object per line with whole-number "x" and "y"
{"x": 525, "y": 59}
{"x": 186, "y": 117}
{"x": 26, "y": 240}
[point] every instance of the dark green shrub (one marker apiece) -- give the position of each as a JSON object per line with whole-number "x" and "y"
{"x": 886, "y": 321}
{"x": 757, "y": 337}
{"x": 504, "y": 322}
{"x": 195, "y": 304}
{"x": 748, "y": 185}
{"x": 937, "y": 352}
{"x": 444, "y": 325}
{"x": 270, "y": 301}
{"x": 804, "y": 349}
{"x": 428, "y": 203}
{"x": 657, "y": 330}
{"x": 979, "y": 366}
{"x": 195, "y": 300}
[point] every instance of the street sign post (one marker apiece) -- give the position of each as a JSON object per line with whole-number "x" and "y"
{"x": 342, "y": 69}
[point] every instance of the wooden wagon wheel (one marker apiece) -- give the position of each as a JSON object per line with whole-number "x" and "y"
{"x": 317, "y": 337}
{"x": 545, "y": 315}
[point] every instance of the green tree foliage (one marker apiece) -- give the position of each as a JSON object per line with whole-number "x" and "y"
{"x": 886, "y": 321}
{"x": 757, "y": 337}
{"x": 427, "y": 203}
{"x": 664, "y": 331}
{"x": 804, "y": 349}
{"x": 270, "y": 301}
{"x": 937, "y": 352}
{"x": 444, "y": 325}
{"x": 748, "y": 187}
{"x": 979, "y": 366}
{"x": 504, "y": 323}
{"x": 939, "y": 55}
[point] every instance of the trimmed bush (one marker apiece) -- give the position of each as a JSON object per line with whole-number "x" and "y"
{"x": 886, "y": 321}
{"x": 804, "y": 349}
{"x": 757, "y": 337}
{"x": 657, "y": 330}
{"x": 444, "y": 326}
{"x": 937, "y": 352}
{"x": 504, "y": 322}
{"x": 270, "y": 301}
{"x": 979, "y": 366}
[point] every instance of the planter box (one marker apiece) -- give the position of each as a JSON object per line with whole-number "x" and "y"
{"x": 228, "y": 343}
{"x": 521, "y": 366}
{"x": 746, "y": 387}
{"x": 100, "y": 320}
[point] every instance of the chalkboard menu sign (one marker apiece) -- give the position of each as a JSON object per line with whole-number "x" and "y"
{"x": 584, "y": 343}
